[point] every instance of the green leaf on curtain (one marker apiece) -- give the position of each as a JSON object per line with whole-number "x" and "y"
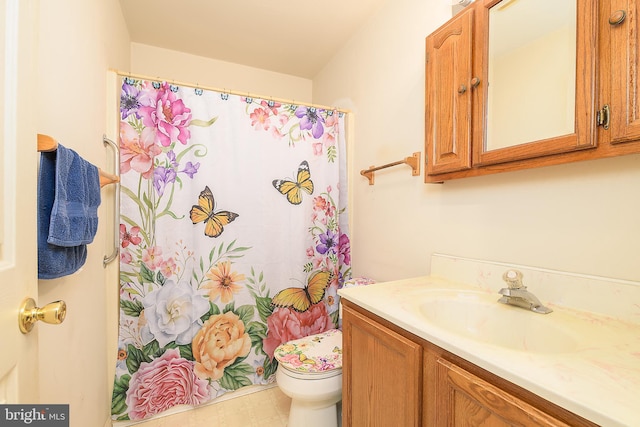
{"x": 147, "y": 202}
{"x": 213, "y": 310}
{"x": 257, "y": 331}
{"x": 229, "y": 307}
{"x": 235, "y": 376}
{"x": 245, "y": 313}
{"x": 130, "y": 290}
{"x": 185, "y": 350}
{"x": 332, "y": 153}
{"x": 160, "y": 279}
{"x": 131, "y": 308}
{"x": 270, "y": 366}
{"x": 135, "y": 199}
{"x": 265, "y": 309}
{"x": 118, "y": 400}
{"x": 258, "y": 346}
{"x": 146, "y": 275}
{"x": 335, "y": 317}
{"x": 135, "y": 357}
{"x": 203, "y": 123}
{"x": 307, "y": 267}
{"x": 152, "y": 350}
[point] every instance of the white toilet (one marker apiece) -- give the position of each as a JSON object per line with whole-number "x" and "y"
{"x": 310, "y": 373}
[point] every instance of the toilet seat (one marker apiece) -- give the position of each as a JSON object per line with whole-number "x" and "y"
{"x": 314, "y": 357}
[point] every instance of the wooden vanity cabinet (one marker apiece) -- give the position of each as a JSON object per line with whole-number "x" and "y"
{"x": 382, "y": 373}
{"x": 394, "y": 378}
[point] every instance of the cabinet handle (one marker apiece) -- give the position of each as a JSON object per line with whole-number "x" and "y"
{"x": 462, "y": 89}
{"x": 617, "y": 17}
{"x": 475, "y": 82}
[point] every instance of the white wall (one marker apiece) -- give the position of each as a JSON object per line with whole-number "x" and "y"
{"x": 78, "y": 42}
{"x": 581, "y": 217}
{"x": 210, "y": 73}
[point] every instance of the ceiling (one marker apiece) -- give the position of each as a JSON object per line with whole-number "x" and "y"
{"x": 296, "y": 37}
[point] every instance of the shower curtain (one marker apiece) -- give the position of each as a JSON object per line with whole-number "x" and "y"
{"x": 233, "y": 240}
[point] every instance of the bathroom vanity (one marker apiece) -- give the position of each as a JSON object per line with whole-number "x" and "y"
{"x": 441, "y": 350}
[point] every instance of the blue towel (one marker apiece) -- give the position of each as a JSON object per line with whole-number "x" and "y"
{"x": 68, "y": 200}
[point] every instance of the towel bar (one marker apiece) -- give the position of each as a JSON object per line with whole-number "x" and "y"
{"x": 47, "y": 144}
{"x": 116, "y": 203}
{"x": 413, "y": 161}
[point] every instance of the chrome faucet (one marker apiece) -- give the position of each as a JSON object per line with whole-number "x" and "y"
{"x": 517, "y": 294}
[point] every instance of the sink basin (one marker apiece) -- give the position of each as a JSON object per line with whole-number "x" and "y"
{"x": 478, "y": 316}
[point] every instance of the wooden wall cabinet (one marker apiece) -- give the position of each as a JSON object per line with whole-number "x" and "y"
{"x": 449, "y": 93}
{"x": 394, "y": 378}
{"x": 607, "y": 110}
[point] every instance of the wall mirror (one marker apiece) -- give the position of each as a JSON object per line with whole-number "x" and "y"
{"x": 531, "y": 71}
{"x": 539, "y": 74}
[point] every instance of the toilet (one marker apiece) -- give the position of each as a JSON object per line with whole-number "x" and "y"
{"x": 310, "y": 373}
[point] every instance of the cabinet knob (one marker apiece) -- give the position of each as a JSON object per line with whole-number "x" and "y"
{"x": 617, "y": 17}
{"x": 475, "y": 82}
{"x": 462, "y": 89}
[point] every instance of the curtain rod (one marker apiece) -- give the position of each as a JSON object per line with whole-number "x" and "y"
{"x": 231, "y": 92}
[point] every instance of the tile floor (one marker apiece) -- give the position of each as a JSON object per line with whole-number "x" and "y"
{"x": 265, "y": 408}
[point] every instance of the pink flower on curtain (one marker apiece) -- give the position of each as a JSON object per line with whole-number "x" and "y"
{"x": 317, "y": 148}
{"x": 272, "y": 106}
{"x": 126, "y": 257}
{"x": 168, "y": 267}
{"x": 260, "y": 119}
{"x": 152, "y": 257}
{"x": 137, "y": 151}
{"x": 332, "y": 125}
{"x": 163, "y": 383}
{"x": 285, "y": 324}
{"x": 344, "y": 249}
{"x": 168, "y": 116}
{"x": 129, "y": 237}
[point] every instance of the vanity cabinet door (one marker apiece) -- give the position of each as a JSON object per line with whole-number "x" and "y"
{"x": 463, "y": 399}
{"x": 448, "y": 98}
{"x": 382, "y": 375}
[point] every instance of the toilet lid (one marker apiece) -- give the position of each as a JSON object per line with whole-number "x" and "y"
{"x": 314, "y": 354}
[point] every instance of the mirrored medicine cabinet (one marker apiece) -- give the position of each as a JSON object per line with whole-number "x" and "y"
{"x": 515, "y": 84}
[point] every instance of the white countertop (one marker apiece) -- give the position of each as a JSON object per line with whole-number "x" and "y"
{"x": 599, "y": 381}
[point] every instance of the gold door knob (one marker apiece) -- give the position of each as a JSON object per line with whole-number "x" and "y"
{"x": 53, "y": 313}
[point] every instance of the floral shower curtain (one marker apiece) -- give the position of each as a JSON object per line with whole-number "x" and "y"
{"x": 233, "y": 234}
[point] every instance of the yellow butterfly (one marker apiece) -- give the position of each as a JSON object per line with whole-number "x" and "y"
{"x": 213, "y": 221}
{"x": 300, "y": 299}
{"x": 292, "y": 189}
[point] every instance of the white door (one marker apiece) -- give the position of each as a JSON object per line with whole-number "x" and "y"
{"x": 18, "y": 177}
